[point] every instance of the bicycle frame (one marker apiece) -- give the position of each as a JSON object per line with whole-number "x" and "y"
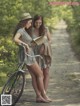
{"x": 25, "y": 53}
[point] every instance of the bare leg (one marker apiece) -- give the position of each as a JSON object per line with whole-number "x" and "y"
{"x": 46, "y": 78}
{"x": 39, "y": 77}
{"x": 35, "y": 86}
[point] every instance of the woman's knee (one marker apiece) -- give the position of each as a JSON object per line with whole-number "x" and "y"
{"x": 36, "y": 70}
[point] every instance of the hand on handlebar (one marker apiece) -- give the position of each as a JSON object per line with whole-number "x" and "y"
{"x": 27, "y": 47}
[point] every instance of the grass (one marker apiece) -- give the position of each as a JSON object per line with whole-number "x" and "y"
{"x": 3, "y": 78}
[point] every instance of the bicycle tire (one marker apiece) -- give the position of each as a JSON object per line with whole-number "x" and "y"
{"x": 12, "y": 85}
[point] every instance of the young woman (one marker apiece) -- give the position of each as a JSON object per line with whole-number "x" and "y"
{"x": 22, "y": 36}
{"x": 44, "y": 49}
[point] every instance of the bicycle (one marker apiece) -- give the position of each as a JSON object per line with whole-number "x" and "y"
{"x": 15, "y": 83}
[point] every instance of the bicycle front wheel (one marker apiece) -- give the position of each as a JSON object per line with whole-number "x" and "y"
{"x": 15, "y": 86}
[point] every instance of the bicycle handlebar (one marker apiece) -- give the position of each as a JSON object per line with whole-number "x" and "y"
{"x": 29, "y": 54}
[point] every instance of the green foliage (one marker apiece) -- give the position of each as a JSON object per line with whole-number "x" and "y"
{"x": 11, "y": 11}
{"x": 74, "y": 26}
{"x": 8, "y": 54}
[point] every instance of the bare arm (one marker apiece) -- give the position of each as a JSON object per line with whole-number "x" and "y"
{"x": 48, "y": 36}
{"x": 18, "y": 41}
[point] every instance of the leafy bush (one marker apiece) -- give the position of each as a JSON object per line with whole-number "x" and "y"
{"x": 8, "y": 54}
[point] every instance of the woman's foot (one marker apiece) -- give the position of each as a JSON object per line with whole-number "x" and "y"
{"x": 47, "y": 98}
{"x": 41, "y": 100}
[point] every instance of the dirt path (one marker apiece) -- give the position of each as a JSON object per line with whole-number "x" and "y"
{"x": 64, "y": 86}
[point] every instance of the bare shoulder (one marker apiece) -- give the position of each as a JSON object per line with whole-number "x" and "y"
{"x": 46, "y": 29}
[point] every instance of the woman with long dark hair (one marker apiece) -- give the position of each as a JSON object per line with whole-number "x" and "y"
{"x": 22, "y": 36}
{"x": 44, "y": 49}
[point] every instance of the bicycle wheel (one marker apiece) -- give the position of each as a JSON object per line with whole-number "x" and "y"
{"x": 15, "y": 86}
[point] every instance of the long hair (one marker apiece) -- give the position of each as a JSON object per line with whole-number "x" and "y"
{"x": 22, "y": 24}
{"x": 42, "y": 28}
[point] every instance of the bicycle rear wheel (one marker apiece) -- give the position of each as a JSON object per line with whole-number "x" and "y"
{"x": 15, "y": 86}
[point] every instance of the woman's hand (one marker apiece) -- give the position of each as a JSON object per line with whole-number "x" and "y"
{"x": 27, "y": 47}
